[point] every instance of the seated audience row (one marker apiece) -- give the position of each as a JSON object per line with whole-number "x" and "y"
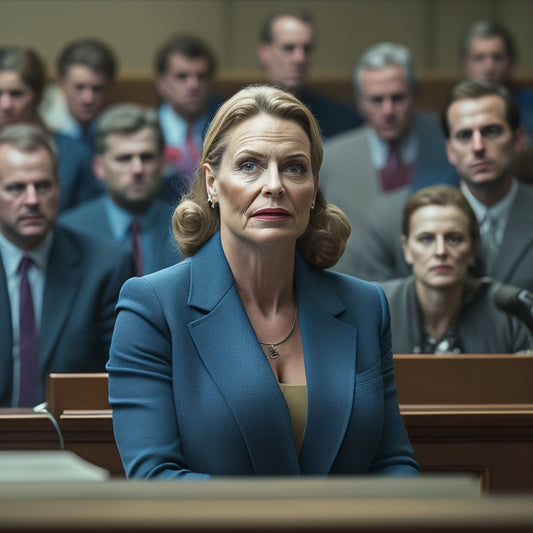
{"x": 22, "y": 82}
{"x": 481, "y": 122}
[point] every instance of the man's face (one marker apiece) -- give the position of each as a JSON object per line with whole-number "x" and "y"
{"x": 85, "y": 91}
{"x": 387, "y": 102}
{"x": 481, "y": 144}
{"x": 285, "y": 60}
{"x": 130, "y": 169}
{"x": 185, "y": 85}
{"x": 488, "y": 60}
{"x": 29, "y": 195}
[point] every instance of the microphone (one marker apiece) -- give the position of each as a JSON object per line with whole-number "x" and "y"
{"x": 518, "y": 302}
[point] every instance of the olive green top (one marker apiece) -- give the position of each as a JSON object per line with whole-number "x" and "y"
{"x": 296, "y": 398}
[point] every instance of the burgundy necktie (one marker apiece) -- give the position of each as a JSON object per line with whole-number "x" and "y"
{"x": 137, "y": 247}
{"x": 395, "y": 173}
{"x": 29, "y": 341}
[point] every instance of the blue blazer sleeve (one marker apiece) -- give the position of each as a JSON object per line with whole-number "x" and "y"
{"x": 141, "y": 387}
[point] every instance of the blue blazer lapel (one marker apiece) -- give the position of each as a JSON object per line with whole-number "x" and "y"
{"x": 63, "y": 282}
{"x": 329, "y": 348}
{"x": 6, "y": 342}
{"x": 231, "y": 353}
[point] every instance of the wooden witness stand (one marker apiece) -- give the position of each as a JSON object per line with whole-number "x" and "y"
{"x": 463, "y": 413}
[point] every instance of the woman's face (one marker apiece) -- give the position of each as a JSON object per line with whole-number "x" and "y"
{"x": 439, "y": 246}
{"x": 16, "y": 99}
{"x": 264, "y": 185}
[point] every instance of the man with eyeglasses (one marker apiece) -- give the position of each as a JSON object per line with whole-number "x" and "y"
{"x": 129, "y": 147}
{"x": 58, "y": 287}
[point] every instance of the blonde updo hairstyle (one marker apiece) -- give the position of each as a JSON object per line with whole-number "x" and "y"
{"x": 194, "y": 221}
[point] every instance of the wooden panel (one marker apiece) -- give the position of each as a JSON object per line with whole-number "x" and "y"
{"x": 76, "y": 391}
{"x": 464, "y": 379}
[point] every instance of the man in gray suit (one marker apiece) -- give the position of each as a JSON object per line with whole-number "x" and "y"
{"x": 129, "y": 160}
{"x": 58, "y": 288}
{"x": 482, "y": 126}
{"x": 399, "y": 147}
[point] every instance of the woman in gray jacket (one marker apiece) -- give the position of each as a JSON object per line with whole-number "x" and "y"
{"x": 440, "y": 308}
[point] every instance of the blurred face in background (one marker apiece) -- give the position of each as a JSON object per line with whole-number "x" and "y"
{"x": 29, "y": 195}
{"x": 286, "y": 59}
{"x": 387, "y": 102}
{"x": 130, "y": 169}
{"x": 185, "y": 85}
{"x": 488, "y": 60}
{"x": 439, "y": 246}
{"x": 85, "y": 91}
{"x": 17, "y": 100}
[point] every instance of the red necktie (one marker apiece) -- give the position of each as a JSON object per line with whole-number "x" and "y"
{"x": 137, "y": 247}
{"x": 395, "y": 173}
{"x": 29, "y": 341}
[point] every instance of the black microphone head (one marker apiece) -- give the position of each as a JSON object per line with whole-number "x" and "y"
{"x": 505, "y": 296}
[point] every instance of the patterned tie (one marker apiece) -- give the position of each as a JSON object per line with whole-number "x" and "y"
{"x": 395, "y": 173}
{"x": 29, "y": 340}
{"x": 137, "y": 247}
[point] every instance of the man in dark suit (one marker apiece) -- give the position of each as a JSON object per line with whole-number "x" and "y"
{"x": 129, "y": 160}
{"x": 58, "y": 287}
{"x": 184, "y": 71}
{"x": 286, "y": 42}
{"x": 481, "y": 123}
{"x": 399, "y": 147}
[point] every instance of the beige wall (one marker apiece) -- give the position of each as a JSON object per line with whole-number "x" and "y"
{"x": 135, "y": 28}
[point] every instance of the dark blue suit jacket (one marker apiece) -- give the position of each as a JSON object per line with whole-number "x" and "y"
{"x": 194, "y": 395}
{"x": 91, "y": 217}
{"x": 83, "y": 279}
{"x": 76, "y": 178}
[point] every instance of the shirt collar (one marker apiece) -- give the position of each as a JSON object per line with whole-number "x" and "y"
{"x": 379, "y": 149}
{"x": 12, "y": 255}
{"x": 499, "y": 211}
{"x": 175, "y": 127}
{"x": 120, "y": 219}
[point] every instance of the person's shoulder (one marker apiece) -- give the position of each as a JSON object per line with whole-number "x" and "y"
{"x": 347, "y": 285}
{"x": 69, "y": 146}
{"x": 80, "y": 211}
{"x": 95, "y": 250}
{"x": 346, "y": 138}
{"x": 428, "y": 121}
{"x": 525, "y": 188}
{"x": 169, "y": 284}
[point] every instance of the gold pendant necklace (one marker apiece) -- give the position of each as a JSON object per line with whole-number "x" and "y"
{"x": 272, "y": 350}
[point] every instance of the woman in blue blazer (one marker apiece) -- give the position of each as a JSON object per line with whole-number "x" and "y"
{"x": 248, "y": 358}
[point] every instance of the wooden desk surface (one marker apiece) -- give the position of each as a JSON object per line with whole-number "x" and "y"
{"x": 220, "y": 505}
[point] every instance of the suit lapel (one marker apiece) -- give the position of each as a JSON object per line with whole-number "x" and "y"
{"x": 515, "y": 242}
{"x": 329, "y": 347}
{"x": 226, "y": 342}
{"x": 6, "y": 341}
{"x": 63, "y": 280}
